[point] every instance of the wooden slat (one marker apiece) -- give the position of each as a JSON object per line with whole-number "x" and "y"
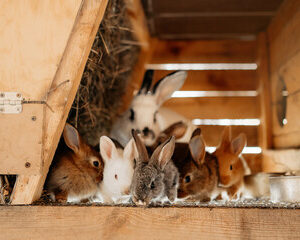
{"x": 215, "y": 108}
{"x": 21, "y": 141}
{"x": 230, "y": 80}
{"x": 212, "y": 51}
{"x": 210, "y": 25}
{"x": 36, "y": 222}
{"x": 264, "y": 89}
{"x": 71, "y": 68}
{"x": 182, "y": 6}
{"x": 212, "y": 134}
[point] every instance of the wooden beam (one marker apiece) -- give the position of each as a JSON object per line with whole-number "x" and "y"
{"x": 69, "y": 72}
{"x": 264, "y": 89}
{"x": 81, "y": 222}
{"x": 215, "y": 107}
{"x": 209, "y": 80}
{"x": 196, "y": 51}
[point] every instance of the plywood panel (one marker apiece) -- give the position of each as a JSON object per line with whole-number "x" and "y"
{"x": 21, "y": 141}
{"x": 34, "y": 35}
{"x": 215, "y": 108}
{"x": 207, "y": 80}
{"x": 212, "y": 134}
{"x": 212, "y": 51}
{"x": 182, "y": 6}
{"x": 69, "y": 222}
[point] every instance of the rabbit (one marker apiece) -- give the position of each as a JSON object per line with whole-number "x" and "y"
{"x": 154, "y": 178}
{"x": 118, "y": 169}
{"x": 232, "y": 168}
{"x": 145, "y": 113}
{"x": 76, "y": 171}
{"x": 198, "y": 170}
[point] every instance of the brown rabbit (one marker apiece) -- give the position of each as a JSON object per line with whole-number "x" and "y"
{"x": 77, "y": 169}
{"x": 198, "y": 170}
{"x": 232, "y": 169}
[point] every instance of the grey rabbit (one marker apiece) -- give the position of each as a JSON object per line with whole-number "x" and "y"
{"x": 155, "y": 177}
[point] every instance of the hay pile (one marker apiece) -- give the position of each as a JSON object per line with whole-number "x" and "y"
{"x": 111, "y": 60}
{"x": 6, "y": 186}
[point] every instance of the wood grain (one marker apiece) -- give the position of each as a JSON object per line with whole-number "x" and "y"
{"x": 21, "y": 141}
{"x": 208, "y": 80}
{"x": 201, "y": 51}
{"x": 36, "y": 222}
{"x": 215, "y": 108}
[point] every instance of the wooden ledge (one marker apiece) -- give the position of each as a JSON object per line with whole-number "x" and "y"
{"x": 96, "y": 222}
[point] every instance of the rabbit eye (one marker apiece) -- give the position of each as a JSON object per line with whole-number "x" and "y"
{"x": 96, "y": 163}
{"x": 154, "y": 119}
{"x": 116, "y": 176}
{"x": 131, "y": 117}
{"x": 187, "y": 179}
{"x": 152, "y": 185}
{"x": 230, "y": 167}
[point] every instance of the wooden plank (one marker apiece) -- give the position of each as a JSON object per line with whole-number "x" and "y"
{"x": 71, "y": 68}
{"x": 241, "y": 25}
{"x": 208, "y": 80}
{"x": 281, "y": 160}
{"x": 201, "y": 51}
{"x": 283, "y": 34}
{"x": 81, "y": 222}
{"x": 33, "y": 38}
{"x": 215, "y": 108}
{"x": 21, "y": 141}
{"x": 212, "y": 134}
{"x": 264, "y": 88}
{"x": 24, "y": 189}
{"x": 182, "y": 6}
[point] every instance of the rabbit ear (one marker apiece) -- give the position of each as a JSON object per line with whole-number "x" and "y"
{"x": 71, "y": 137}
{"x": 163, "y": 153}
{"x": 197, "y": 149}
{"x": 165, "y": 87}
{"x": 147, "y": 81}
{"x": 130, "y": 152}
{"x": 108, "y": 149}
{"x": 226, "y": 138}
{"x": 177, "y": 130}
{"x": 238, "y": 144}
{"x": 196, "y": 132}
{"x": 140, "y": 146}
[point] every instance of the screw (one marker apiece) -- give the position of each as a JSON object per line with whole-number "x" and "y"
{"x": 18, "y": 95}
{"x": 27, "y": 164}
{"x": 33, "y": 118}
{"x": 2, "y": 95}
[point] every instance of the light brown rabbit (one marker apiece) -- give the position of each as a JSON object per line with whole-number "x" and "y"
{"x": 197, "y": 168}
{"x": 77, "y": 169}
{"x": 232, "y": 169}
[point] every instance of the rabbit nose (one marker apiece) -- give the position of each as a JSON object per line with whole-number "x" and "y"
{"x": 127, "y": 191}
{"x": 146, "y": 131}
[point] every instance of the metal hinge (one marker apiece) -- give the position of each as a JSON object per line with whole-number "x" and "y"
{"x": 10, "y": 102}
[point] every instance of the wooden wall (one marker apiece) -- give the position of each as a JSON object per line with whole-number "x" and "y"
{"x": 284, "y": 54}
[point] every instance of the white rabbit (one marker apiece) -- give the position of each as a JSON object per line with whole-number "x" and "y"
{"x": 145, "y": 113}
{"x": 118, "y": 170}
